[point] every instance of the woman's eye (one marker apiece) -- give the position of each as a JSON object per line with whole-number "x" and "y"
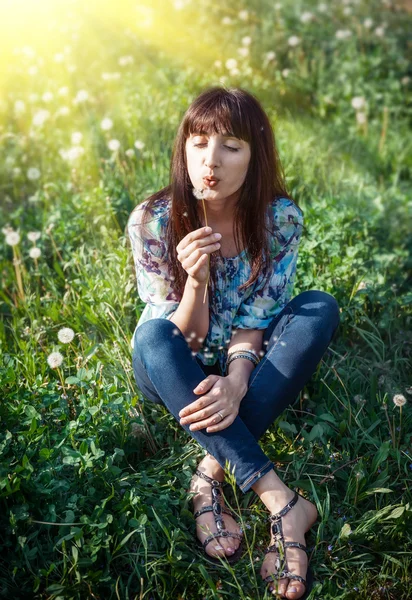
{"x": 228, "y": 147}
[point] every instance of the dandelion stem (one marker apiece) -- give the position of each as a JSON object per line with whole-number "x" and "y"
{"x": 16, "y": 263}
{"x": 208, "y": 258}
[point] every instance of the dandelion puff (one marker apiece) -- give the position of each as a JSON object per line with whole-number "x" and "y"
{"x": 358, "y": 102}
{"x": 380, "y": 31}
{"x": 76, "y": 138}
{"x": 106, "y": 124}
{"x": 139, "y": 145}
{"x": 81, "y": 96}
{"x": 293, "y": 41}
{"x": 34, "y": 252}
{"x": 243, "y": 15}
{"x": 12, "y": 238}
{"x": 55, "y": 359}
{"x": 399, "y": 400}
{"x": 285, "y": 72}
{"x": 368, "y": 23}
{"x": 65, "y": 335}
{"x": 226, "y": 21}
{"x": 247, "y": 40}
{"x": 33, "y": 174}
{"x": 243, "y": 51}
{"x": 40, "y": 117}
{"x": 113, "y": 145}
{"x": 130, "y": 153}
{"x": 33, "y": 236}
{"x": 306, "y": 17}
{"x": 231, "y": 63}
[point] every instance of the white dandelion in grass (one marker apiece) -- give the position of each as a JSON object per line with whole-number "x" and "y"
{"x": 231, "y": 63}
{"x": 306, "y": 17}
{"x": 380, "y": 31}
{"x": 243, "y": 15}
{"x": 243, "y": 51}
{"x": 81, "y": 96}
{"x": 12, "y": 238}
{"x": 65, "y": 335}
{"x": 293, "y": 41}
{"x": 47, "y": 97}
{"x": 106, "y": 124}
{"x": 226, "y": 21}
{"x": 34, "y": 252}
{"x": 33, "y": 236}
{"x": 130, "y": 153}
{"x": 139, "y": 145}
{"x": 113, "y": 145}
{"x": 247, "y": 40}
{"x": 19, "y": 107}
{"x": 399, "y": 400}
{"x": 76, "y": 138}
{"x": 269, "y": 56}
{"x": 322, "y": 7}
{"x": 343, "y": 34}
{"x": 63, "y": 111}
{"x": 358, "y": 102}
{"x": 33, "y": 173}
{"x": 40, "y": 118}
{"x": 125, "y": 60}
{"x": 54, "y": 360}
{"x": 63, "y": 91}
{"x": 285, "y": 72}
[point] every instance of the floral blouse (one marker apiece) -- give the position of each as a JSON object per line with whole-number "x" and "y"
{"x": 251, "y": 308}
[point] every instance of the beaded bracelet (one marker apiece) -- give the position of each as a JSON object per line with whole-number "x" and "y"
{"x": 253, "y": 352}
{"x": 238, "y": 354}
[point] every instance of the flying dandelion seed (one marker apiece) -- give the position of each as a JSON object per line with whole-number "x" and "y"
{"x": 65, "y": 335}
{"x": 55, "y": 359}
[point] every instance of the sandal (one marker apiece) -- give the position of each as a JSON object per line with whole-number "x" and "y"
{"x": 280, "y": 544}
{"x": 217, "y": 510}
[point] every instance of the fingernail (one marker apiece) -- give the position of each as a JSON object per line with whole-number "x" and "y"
{"x": 218, "y": 547}
{"x": 230, "y": 550}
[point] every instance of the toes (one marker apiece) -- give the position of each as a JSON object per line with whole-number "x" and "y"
{"x": 299, "y": 590}
{"x": 214, "y": 549}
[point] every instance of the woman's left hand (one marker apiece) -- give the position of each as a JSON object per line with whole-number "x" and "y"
{"x": 225, "y": 395}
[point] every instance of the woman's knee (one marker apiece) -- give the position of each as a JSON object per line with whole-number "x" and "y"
{"x": 149, "y": 334}
{"x": 322, "y": 303}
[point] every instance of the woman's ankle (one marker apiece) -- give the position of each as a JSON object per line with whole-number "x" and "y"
{"x": 211, "y": 467}
{"x": 273, "y": 492}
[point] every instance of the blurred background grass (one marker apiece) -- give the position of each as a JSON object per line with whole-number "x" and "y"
{"x": 93, "y": 477}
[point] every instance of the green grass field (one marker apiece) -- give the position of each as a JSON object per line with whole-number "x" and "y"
{"x": 93, "y": 477}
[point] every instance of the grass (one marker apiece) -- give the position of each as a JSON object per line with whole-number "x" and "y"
{"x": 93, "y": 477}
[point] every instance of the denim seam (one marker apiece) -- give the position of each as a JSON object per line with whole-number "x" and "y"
{"x": 250, "y": 478}
{"x": 271, "y": 350}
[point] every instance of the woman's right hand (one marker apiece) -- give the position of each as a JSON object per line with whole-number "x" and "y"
{"x": 193, "y": 252}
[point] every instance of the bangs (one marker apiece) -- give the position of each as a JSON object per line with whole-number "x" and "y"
{"x": 217, "y": 115}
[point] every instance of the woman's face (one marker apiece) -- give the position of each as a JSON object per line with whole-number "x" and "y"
{"x": 216, "y": 155}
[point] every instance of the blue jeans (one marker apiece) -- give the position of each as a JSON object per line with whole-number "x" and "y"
{"x": 166, "y": 372}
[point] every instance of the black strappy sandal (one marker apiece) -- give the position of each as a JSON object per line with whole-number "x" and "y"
{"x": 217, "y": 510}
{"x": 280, "y": 544}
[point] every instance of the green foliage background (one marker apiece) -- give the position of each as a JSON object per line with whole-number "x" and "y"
{"x": 93, "y": 477}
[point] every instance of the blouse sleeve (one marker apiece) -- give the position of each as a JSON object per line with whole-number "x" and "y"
{"x": 260, "y": 307}
{"x": 152, "y": 276}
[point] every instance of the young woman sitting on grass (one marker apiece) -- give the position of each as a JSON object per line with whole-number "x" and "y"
{"x": 226, "y": 354}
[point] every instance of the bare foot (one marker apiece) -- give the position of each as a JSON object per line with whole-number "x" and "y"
{"x": 205, "y": 523}
{"x": 295, "y": 524}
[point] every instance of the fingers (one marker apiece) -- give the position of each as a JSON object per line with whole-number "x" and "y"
{"x": 200, "y": 415}
{"x": 213, "y": 422}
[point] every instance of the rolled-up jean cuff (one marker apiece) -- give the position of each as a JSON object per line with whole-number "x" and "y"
{"x": 246, "y": 485}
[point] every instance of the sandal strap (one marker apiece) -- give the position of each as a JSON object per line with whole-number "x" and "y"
{"x": 274, "y": 548}
{"x": 213, "y": 482}
{"x": 284, "y": 575}
{"x": 285, "y": 509}
{"x": 210, "y": 508}
{"x": 224, "y": 533}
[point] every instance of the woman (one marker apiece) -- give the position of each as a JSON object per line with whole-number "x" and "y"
{"x": 227, "y": 356}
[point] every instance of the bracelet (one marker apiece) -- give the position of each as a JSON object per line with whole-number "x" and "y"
{"x": 255, "y": 354}
{"x": 236, "y": 355}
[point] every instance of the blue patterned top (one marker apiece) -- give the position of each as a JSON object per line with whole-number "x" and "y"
{"x": 250, "y": 308}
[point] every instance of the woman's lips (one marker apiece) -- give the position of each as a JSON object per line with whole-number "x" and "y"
{"x": 211, "y": 183}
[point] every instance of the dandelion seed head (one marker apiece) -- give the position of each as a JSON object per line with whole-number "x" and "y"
{"x": 76, "y": 138}
{"x": 33, "y": 174}
{"x": 399, "y": 400}
{"x": 113, "y": 145}
{"x": 106, "y": 124}
{"x": 243, "y": 51}
{"x": 65, "y": 335}
{"x": 270, "y": 55}
{"x": 306, "y": 17}
{"x": 247, "y": 40}
{"x": 343, "y": 34}
{"x": 55, "y": 359}
{"x": 40, "y": 117}
{"x": 12, "y": 238}
{"x": 293, "y": 41}
{"x": 368, "y": 23}
{"x": 139, "y": 145}
{"x": 81, "y": 96}
{"x": 33, "y": 236}
{"x": 130, "y": 153}
{"x": 358, "y": 102}
{"x": 379, "y": 31}
{"x": 231, "y": 63}
{"x": 226, "y": 21}
{"x": 243, "y": 15}
{"x": 34, "y": 252}
{"x": 47, "y": 97}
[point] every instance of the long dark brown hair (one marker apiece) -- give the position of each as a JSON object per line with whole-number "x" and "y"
{"x": 237, "y": 111}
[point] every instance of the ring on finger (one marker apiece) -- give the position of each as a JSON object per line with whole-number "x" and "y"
{"x": 220, "y": 414}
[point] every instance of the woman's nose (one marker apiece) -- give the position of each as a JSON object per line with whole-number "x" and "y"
{"x": 212, "y": 158}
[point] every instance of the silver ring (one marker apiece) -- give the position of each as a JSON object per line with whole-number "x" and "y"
{"x": 221, "y": 416}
